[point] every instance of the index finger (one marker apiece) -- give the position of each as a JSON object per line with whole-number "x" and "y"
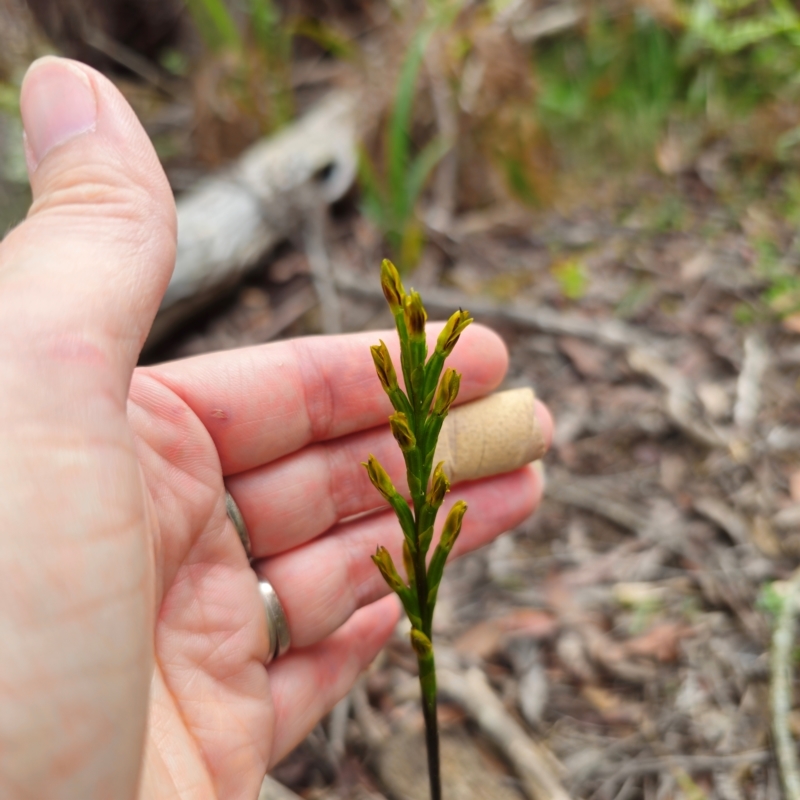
{"x": 261, "y": 403}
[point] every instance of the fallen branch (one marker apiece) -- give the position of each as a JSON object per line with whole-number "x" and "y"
{"x": 680, "y": 405}
{"x": 727, "y": 518}
{"x": 585, "y": 494}
{"x": 689, "y": 764}
{"x": 611, "y": 333}
{"x": 748, "y": 387}
{"x": 230, "y": 219}
{"x": 533, "y": 765}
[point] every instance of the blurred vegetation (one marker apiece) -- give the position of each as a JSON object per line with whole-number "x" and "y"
{"x": 391, "y": 190}
{"x": 709, "y": 88}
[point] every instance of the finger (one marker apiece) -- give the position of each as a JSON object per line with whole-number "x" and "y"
{"x": 308, "y": 683}
{"x": 298, "y": 497}
{"x": 100, "y": 232}
{"x": 262, "y": 403}
{"x": 322, "y": 583}
{"x": 79, "y": 283}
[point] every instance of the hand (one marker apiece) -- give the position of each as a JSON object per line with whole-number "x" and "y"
{"x": 132, "y": 631}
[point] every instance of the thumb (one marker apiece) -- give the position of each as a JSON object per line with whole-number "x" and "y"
{"x": 83, "y": 276}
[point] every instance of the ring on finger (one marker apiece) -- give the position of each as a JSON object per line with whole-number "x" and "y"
{"x": 277, "y": 624}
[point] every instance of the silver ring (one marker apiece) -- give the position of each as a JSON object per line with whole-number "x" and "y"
{"x": 238, "y": 522}
{"x": 277, "y": 624}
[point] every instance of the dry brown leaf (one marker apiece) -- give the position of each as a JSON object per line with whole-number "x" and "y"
{"x": 589, "y": 359}
{"x": 612, "y": 708}
{"x": 791, "y": 323}
{"x": 487, "y": 638}
{"x": 661, "y": 642}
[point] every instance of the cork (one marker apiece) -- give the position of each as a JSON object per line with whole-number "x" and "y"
{"x": 495, "y": 434}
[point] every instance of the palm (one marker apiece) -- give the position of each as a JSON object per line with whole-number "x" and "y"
{"x": 288, "y": 445}
{"x": 210, "y": 704}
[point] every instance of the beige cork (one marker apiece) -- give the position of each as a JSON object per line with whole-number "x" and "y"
{"x": 495, "y": 434}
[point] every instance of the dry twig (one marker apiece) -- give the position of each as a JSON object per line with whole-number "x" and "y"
{"x": 272, "y": 790}
{"x": 680, "y": 405}
{"x": 609, "y": 332}
{"x": 748, "y": 387}
{"x": 781, "y": 689}
{"x": 533, "y": 765}
{"x": 668, "y": 764}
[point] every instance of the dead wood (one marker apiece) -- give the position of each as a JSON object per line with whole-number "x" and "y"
{"x": 229, "y": 220}
{"x": 272, "y": 790}
{"x": 532, "y": 764}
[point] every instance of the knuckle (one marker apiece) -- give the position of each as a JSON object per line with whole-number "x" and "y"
{"x": 92, "y": 199}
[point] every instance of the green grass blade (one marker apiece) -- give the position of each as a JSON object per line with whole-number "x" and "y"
{"x": 264, "y": 22}
{"x": 420, "y": 171}
{"x": 399, "y": 142}
{"x": 373, "y": 201}
{"x": 215, "y": 23}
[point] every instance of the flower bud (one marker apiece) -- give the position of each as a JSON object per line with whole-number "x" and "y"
{"x": 383, "y": 561}
{"x": 451, "y": 331}
{"x": 448, "y": 391}
{"x": 380, "y": 480}
{"x": 421, "y": 643}
{"x": 392, "y": 286}
{"x": 401, "y": 431}
{"x": 452, "y": 526}
{"x": 384, "y": 366}
{"x": 415, "y": 315}
{"x": 439, "y": 486}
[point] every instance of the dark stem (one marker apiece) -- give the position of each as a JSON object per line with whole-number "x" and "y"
{"x": 427, "y": 677}
{"x": 427, "y": 681}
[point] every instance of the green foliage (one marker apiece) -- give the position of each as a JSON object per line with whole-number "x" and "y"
{"x": 391, "y": 194}
{"x": 614, "y": 83}
{"x": 216, "y": 25}
{"x": 420, "y": 410}
{"x": 9, "y": 99}
{"x": 258, "y": 58}
{"x": 728, "y": 27}
{"x": 572, "y": 278}
{"x": 782, "y": 293}
{"x": 769, "y": 601}
{"x": 609, "y": 90}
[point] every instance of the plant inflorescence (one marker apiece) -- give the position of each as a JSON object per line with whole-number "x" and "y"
{"x": 419, "y": 412}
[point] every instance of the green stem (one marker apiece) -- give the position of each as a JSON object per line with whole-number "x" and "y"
{"x": 427, "y": 682}
{"x": 427, "y": 673}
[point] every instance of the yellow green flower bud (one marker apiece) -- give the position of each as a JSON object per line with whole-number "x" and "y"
{"x": 383, "y": 561}
{"x": 415, "y": 315}
{"x": 384, "y": 366}
{"x": 401, "y": 431}
{"x": 439, "y": 486}
{"x": 392, "y": 286}
{"x": 380, "y": 480}
{"x": 451, "y": 331}
{"x": 448, "y": 391}
{"x": 421, "y": 643}
{"x": 452, "y": 526}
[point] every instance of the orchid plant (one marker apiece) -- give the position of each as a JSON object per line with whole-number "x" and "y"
{"x": 419, "y": 411}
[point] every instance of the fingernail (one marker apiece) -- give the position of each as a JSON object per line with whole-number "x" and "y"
{"x": 57, "y": 104}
